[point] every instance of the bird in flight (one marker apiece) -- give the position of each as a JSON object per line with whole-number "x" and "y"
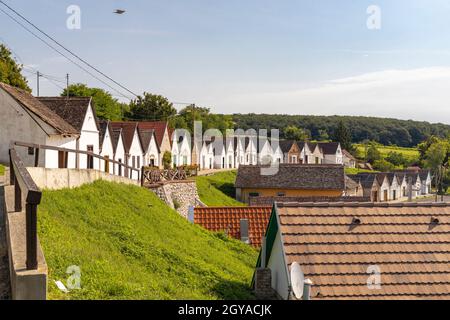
{"x": 119, "y": 11}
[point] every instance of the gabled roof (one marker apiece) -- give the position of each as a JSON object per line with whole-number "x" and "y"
{"x": 336, "y": 243}
{"x": 293, "y": 176}
{"x": 104, "y": 126}
{"x": 228, "y": 219}
{"x": 128, "y": 130}
{"x": 329, "y": 147}
{"x": 424, "y": 174}
{"x": 352, "y": 183}
{"x": 116, "y": 134}
{"x": 348, "y": 155}
{"x": 286, "y": 145}
{"x": 72, "y": 110}
{"x": 391, "y": 176}
{"x": 146, "y": 136}
{"x": 36, "y": 107}
{"x": 367, "y": 180}
{"x": 159, "y": 128}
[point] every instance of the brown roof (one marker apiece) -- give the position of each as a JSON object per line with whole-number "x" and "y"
{"x": 115, "y": 135}
{"x": 293, "y": 176}
{"x": 103, "y": 127}
{"x": 36, "y": 107}
{"x": 128, "y": 130}
{"x": 351, "y": 183}
{"x": 329, "y": 147}
{"x": 367, "y": 179}
{"x": 146, "y": 136}
{"x": 335, "y": 251}
{"x": 348, "y": 155}
{"x": 228, "y": 219}
{"x": 158, "y": 126}
{"x": 72, "y": 110}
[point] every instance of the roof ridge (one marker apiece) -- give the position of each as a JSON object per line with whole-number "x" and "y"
{"x": 362, "y": 204}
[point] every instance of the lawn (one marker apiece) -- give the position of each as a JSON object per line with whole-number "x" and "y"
{"x": 218, "y": 189}
{"x": 357, "y": 170}
{"x": 411, "y": 154}
{"x": 2, "y": 170}
{"x": 130, "y": 245}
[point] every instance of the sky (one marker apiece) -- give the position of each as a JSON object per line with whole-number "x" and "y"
{"x": 263, "y": 56}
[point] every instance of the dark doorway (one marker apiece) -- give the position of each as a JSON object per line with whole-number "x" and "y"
{"x": 62, "y": 159}
{"x": 90, "y": 158}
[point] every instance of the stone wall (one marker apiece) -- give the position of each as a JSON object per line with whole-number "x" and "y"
{"x": 179, "y": 195}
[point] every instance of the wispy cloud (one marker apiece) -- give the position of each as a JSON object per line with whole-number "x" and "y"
{"x": 421, "y": 94}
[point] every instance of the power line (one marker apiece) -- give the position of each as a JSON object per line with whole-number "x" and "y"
{"x": 62, "y": 54}
{"x": 69, "y": 51}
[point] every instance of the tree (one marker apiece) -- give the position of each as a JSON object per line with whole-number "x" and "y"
{"x": 151, "y": 107}
{"x": 323, "y": 135}
{"x": 295, "y": 133}
{"x": 343, "y": 136}
{"x": 397, "y": 159}
{"x": 106, "y": 106}
{"x": 373, "y": 154}
{"x": 383, "y": 165}
{"x": 187, "y": 115}
{"x": 436, "y": 159}
{"x": 10, "y": 71}
{"x": 167, "y": 159}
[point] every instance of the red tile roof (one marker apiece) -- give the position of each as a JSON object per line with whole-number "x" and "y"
{"x": 158, "y": 126}
{"x": 228, "y": 219}
{"x": 410, "y": 243}
{"x": 128, "y": 129}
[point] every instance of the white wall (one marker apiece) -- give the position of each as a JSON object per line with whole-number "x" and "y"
{"x": 120, "y": 154}
{"x": 152, "y": 153}
{"x": 277, "y": 265}
{"x": 51, "y": 156}
{"x": 89, "y": 136}
{"x": 136, "y": 152}
{"x": 107, "y": 151}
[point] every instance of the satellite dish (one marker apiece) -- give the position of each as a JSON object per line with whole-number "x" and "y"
{"x": 297, "y": 280}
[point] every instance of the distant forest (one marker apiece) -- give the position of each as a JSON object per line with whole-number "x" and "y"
{"x": 403, "y": 133}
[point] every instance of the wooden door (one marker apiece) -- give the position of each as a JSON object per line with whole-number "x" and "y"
{"x": 62, "y": 159}
{"x": 90, "y": 159}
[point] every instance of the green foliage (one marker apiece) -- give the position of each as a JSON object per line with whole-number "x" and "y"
{"x": 10, "y": 70}
{"x": 343, "y": 136}
{"x": 151, "y": 107}
{"x": 105, "y": 105}
{"x": 323, "y": 135}
{"x": 383, "y": 165}
{"x": 167, "y": 159}
{"x": 397, "y": 159}
{"x": 294, "y": 133}
{"x": 356, "y": 171}
{"x": 404, "y": 133}
{"x": 186, "y": 116}
{"x": 218, "y": 189}
{"x": 373, "y": 154}
{"x": 2, "y": 170}
{"x": 130, "y": 245}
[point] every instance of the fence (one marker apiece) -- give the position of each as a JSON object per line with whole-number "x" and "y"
{"x": 153, "y": 176}
{"x": 128, "y": 170}
{"x": 26, "y": 192}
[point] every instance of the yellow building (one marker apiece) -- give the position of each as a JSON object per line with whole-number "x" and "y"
{"x": 290, "y": 180}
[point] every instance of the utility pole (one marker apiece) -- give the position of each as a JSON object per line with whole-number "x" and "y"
{"x": 67, "y": 85}
{"x": 38, "y": 77}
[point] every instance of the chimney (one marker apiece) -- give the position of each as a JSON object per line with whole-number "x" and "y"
{"x": 244, "y": 231}
{"x": 307, "y": 289}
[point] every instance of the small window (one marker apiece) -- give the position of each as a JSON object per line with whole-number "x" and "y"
{"x": 31, "y": 151}
{"x": 254, "y": 194}
{"x": 138, "y": 161}
{"x": 281, "y": 194}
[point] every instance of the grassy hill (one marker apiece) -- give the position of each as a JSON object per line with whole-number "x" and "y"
{"x": 218, "y": 189}
{"x": 130, "y": 245}
{"x": 411, "y": 154}
{"x": 2, "y": 170}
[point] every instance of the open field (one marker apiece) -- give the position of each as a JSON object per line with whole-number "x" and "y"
{"x": 412, "y": 154}
{"x": 129, "y": 245}
{"x": 218, "y": 189}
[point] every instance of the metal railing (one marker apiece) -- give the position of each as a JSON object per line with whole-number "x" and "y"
{"x": 26, "y": 192}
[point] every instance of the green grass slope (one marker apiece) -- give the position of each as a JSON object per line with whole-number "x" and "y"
{"x": 2, "y": 170}
{"x": 218, "y": 189}
{"x": 411, "y": 154}
{"x": 130, "y": 245}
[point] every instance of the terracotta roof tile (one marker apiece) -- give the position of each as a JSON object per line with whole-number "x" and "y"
{"x": 228, "y": 219}
{"x": 293, "y": 176}
{"x": 412, "y": 253}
